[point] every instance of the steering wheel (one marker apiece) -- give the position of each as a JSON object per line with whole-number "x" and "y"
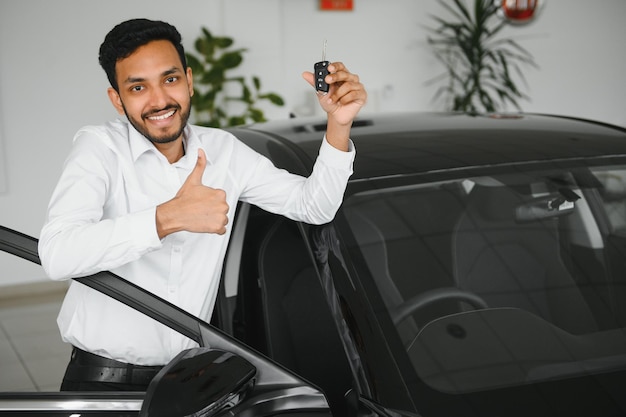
{"x": 437, "y": 294}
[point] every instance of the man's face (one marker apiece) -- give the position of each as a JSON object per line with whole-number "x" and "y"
{"x": 154, "y": 91}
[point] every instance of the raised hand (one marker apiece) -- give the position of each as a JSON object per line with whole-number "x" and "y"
{"x": 345, "y": 98}
{"x": 195, "y": 208}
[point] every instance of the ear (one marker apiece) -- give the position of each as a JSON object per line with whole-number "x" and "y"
{"x": 190, "y": 81}
{"x": 116, "y": 100}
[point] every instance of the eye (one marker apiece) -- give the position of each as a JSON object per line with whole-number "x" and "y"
{"x": 170, "y": 80}
{"x": 136, "y": 88}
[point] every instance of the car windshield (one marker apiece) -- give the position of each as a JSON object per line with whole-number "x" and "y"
{"x": 500, "y": 280}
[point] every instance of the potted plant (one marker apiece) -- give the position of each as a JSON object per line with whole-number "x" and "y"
{"x": 480, "y": 67}
{"x": 221, "y": 99}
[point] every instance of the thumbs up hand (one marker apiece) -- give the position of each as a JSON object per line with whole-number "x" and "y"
{"x": 195, "y": 208}
{"x": 195, "y": 178}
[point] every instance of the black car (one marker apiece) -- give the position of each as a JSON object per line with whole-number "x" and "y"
{"x": 477, "y": 267}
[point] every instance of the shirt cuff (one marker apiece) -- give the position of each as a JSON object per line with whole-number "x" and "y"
{"x": 335, "y": 158}
{"x": 144, "y": 228}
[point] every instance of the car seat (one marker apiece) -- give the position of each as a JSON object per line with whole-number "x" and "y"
{"x": 374, "y": 249}
{"x": 301, "y": 333}
{"x": 404, "y": 239}
{"x": 513, "y": 259}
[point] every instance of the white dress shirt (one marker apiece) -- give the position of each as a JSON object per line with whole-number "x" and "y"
{"x": 102, "y": 217}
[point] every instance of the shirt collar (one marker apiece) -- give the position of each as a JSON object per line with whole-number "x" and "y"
{"x": 139, "y": 145}
{"x": 191, "y": 149}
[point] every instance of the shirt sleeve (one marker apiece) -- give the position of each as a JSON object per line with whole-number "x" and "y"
{"x": 313, "y": 200}
{"x": 78, "y": 238}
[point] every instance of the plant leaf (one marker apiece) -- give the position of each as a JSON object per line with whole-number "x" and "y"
{"x": 481, "y": 69}
{"x": 223, "y": 42}
{"x": 273, "y": 98}
{"x": 231, "y": 59}
{"x": 257, "y": 83}
{"x": 211, "y": 74}
{"x": 236, "y": 120}
{"x": 256, "y": 115}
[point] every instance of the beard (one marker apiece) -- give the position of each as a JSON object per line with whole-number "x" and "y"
{"x": 165, "y": 137}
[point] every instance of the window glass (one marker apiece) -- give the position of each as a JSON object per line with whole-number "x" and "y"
{"x": 500, "y": 280}
{"x": 613, "y": 195}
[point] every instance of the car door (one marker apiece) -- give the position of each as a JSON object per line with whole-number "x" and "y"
{"x": 275, "y": 390}
{"x": 272, "y": 299}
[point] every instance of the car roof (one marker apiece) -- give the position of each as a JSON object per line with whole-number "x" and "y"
{"x": 412, "y": 143}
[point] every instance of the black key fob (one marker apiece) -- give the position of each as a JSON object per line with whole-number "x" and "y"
{"x": 321, "y": 71}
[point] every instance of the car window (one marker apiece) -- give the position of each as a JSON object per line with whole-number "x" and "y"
{"x": 501, "y": 280}
{"x": 612, "y": 191}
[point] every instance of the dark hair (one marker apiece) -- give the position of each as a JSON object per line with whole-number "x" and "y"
{"x": 127, "y": 36}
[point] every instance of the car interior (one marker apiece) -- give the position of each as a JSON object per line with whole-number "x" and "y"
{"x": 281, "y": 309}
{"x": 530, "y": 245}
{"x": 512, "y": 261}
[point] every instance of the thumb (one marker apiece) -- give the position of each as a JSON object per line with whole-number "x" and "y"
{"x": 196, "y": 175}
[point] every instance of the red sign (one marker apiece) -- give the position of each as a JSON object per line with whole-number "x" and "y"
{"x": 519, "y": 11}
{"x": 336, "y": 4}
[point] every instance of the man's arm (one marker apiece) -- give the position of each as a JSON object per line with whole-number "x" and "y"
{"x": 316, "y": 199}
{"x": 198, "y": 208}
{"x": 81, "y": 234}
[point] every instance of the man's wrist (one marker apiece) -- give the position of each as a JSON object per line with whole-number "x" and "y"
{"x": 338, "y": 134}
{"x": 165, "y": 221}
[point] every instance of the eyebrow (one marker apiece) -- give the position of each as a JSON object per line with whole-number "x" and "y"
{"x": 131, "y": 80}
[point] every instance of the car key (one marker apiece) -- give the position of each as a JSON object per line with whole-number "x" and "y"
{"x": 321, "y": 71}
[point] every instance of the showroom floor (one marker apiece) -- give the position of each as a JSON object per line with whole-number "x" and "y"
{"x": 32, "y": 355}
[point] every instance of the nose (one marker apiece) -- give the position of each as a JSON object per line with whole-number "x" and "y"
{"x": 158, "y": 98}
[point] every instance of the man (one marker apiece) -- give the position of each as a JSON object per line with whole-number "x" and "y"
{"x": 150, "y": 199}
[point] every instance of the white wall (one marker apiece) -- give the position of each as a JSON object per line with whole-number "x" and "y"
{"x": 51, "y": 84}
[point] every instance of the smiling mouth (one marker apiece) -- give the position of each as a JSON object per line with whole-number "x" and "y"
{"x": 162, "y": 116}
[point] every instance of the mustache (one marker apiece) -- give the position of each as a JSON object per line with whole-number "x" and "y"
{"x": 164, "y": 109}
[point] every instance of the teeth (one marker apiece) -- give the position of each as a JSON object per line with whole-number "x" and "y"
{"x": 164, "y": 116}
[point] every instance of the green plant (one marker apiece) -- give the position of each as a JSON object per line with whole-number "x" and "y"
{"x": 479, "y": 65}
{"x": 221, "y": 99}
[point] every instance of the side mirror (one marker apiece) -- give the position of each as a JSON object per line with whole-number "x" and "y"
{"x": 199, "y": 381}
